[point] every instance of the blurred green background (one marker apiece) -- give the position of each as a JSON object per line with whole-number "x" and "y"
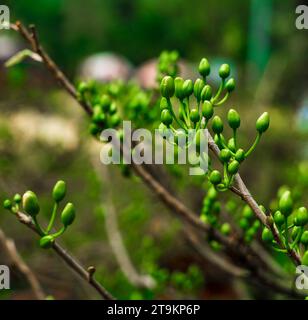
{"x": 43, "y": 134}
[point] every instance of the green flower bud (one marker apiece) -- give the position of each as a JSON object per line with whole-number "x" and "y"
{"x": 194, "y": 115}
{"x": 94, "y": 129}
{"x": 305, "y": 258}
{"x": 68, "y": 215}
{"x": 263, "y": 122}
{"x": 105, "y": 102}
{"x": 234, "y": 119}
{"x": 225, "y": 229}
{"x": 240, "y": 155}
{"x": 7, "y": 204}
{"x": 198, "y": 86}
{"x": 304, "y": 238}
{"x": 250, "y": 233}
{"x": 279, "y": 218}
{"x": 212, "y": 194}
{"x": 230, "y": 85}
{"x": 59, "y": 191}
{"x": 167, "y": 87}
{"x": 30, "y": 203}
{"x": 224, "y": 71}
{"x": 178, "y": 84}
{"x": 247, "y": 212}
{"x": 233, "y": 167}
{"x": 113, "y": 108}
{"x": 166, "y": 117}
{"x": 216, "y": 246}
{"x": 206, "y": 93}
{"x": 207, "y": 110}
{"x": 82, "y": 87}
{"x": 282, "y": 190}
{"x": 267, "y": 235}
{"x": 215, "y": 177}
{"x": 256, "y": 225}
{"x": 204, "y": 67}
{"x": 115, "y": 120}
{"x": 46, "y": 242}
{"x": 216, "y": 208}
{"x": 286, "y": 203}
{"x": 231, "y": 145}
{"x": 301, "y": 217}
{"x": 163, "y": 104}
{"x": 225, "y": 155}
{"x": 244, "y": 224}
{"x": 98, "y": 116}
{"x": 217, "y": 125}
{"x": 188, "y": 87}
{"x": 17, "y": 198}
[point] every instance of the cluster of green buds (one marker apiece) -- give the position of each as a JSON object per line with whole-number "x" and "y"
{"x": 198, "y": 116}
{"x": 167, "y": 65}
{"x": 191, "y": 115}
{"x": 211, "y": 210}
{"x": 30, "y": 205}
{"x": 231, "y": 155}
{"x": 248, "y": 223}
{"x": 291, "y": 223}
{"x": 104, "y": 107}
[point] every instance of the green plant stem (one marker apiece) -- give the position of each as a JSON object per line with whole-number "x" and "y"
{"x": 222, "y": 142}
{"x": 187, "y": 110}
{"x": 38, "y": 227}
{"x": 235, "y": 138}
{"x": 213, "y": 100}
{"x": 293, "y": 244}
{"x": 280, "y": 250}
{"x": 286, "y": 233}
{"x": 258, "y": 137}
{"x": 53, "y": 217}
{"x": 223, "y": 100}
{"x": 59, "y": 233}
{"x": 226, "y": 177}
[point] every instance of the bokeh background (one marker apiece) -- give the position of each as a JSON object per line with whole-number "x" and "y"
{"x": 44, "y": 136}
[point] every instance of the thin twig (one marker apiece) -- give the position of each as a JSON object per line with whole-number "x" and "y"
{"x": 68, "y": 259}
{"x": 211, "y": 257}
{"x": 117, "y": 243}
{"x": 16, "y": 260}
{"x": 242, "y": 191}
{"x": 255, "y": 277}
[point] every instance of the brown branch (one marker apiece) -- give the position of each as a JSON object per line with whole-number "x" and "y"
{"x": 117, "y": 243}
{"x": 16, "y": 260}
{"x": 255, "y": 277}
{"x": 32, "y": 38}
{"x": 211, "y": 257}
{"x": 69, "y": 260}
{"x": 242, "y": 251}
{"x": 242, "y": 191}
